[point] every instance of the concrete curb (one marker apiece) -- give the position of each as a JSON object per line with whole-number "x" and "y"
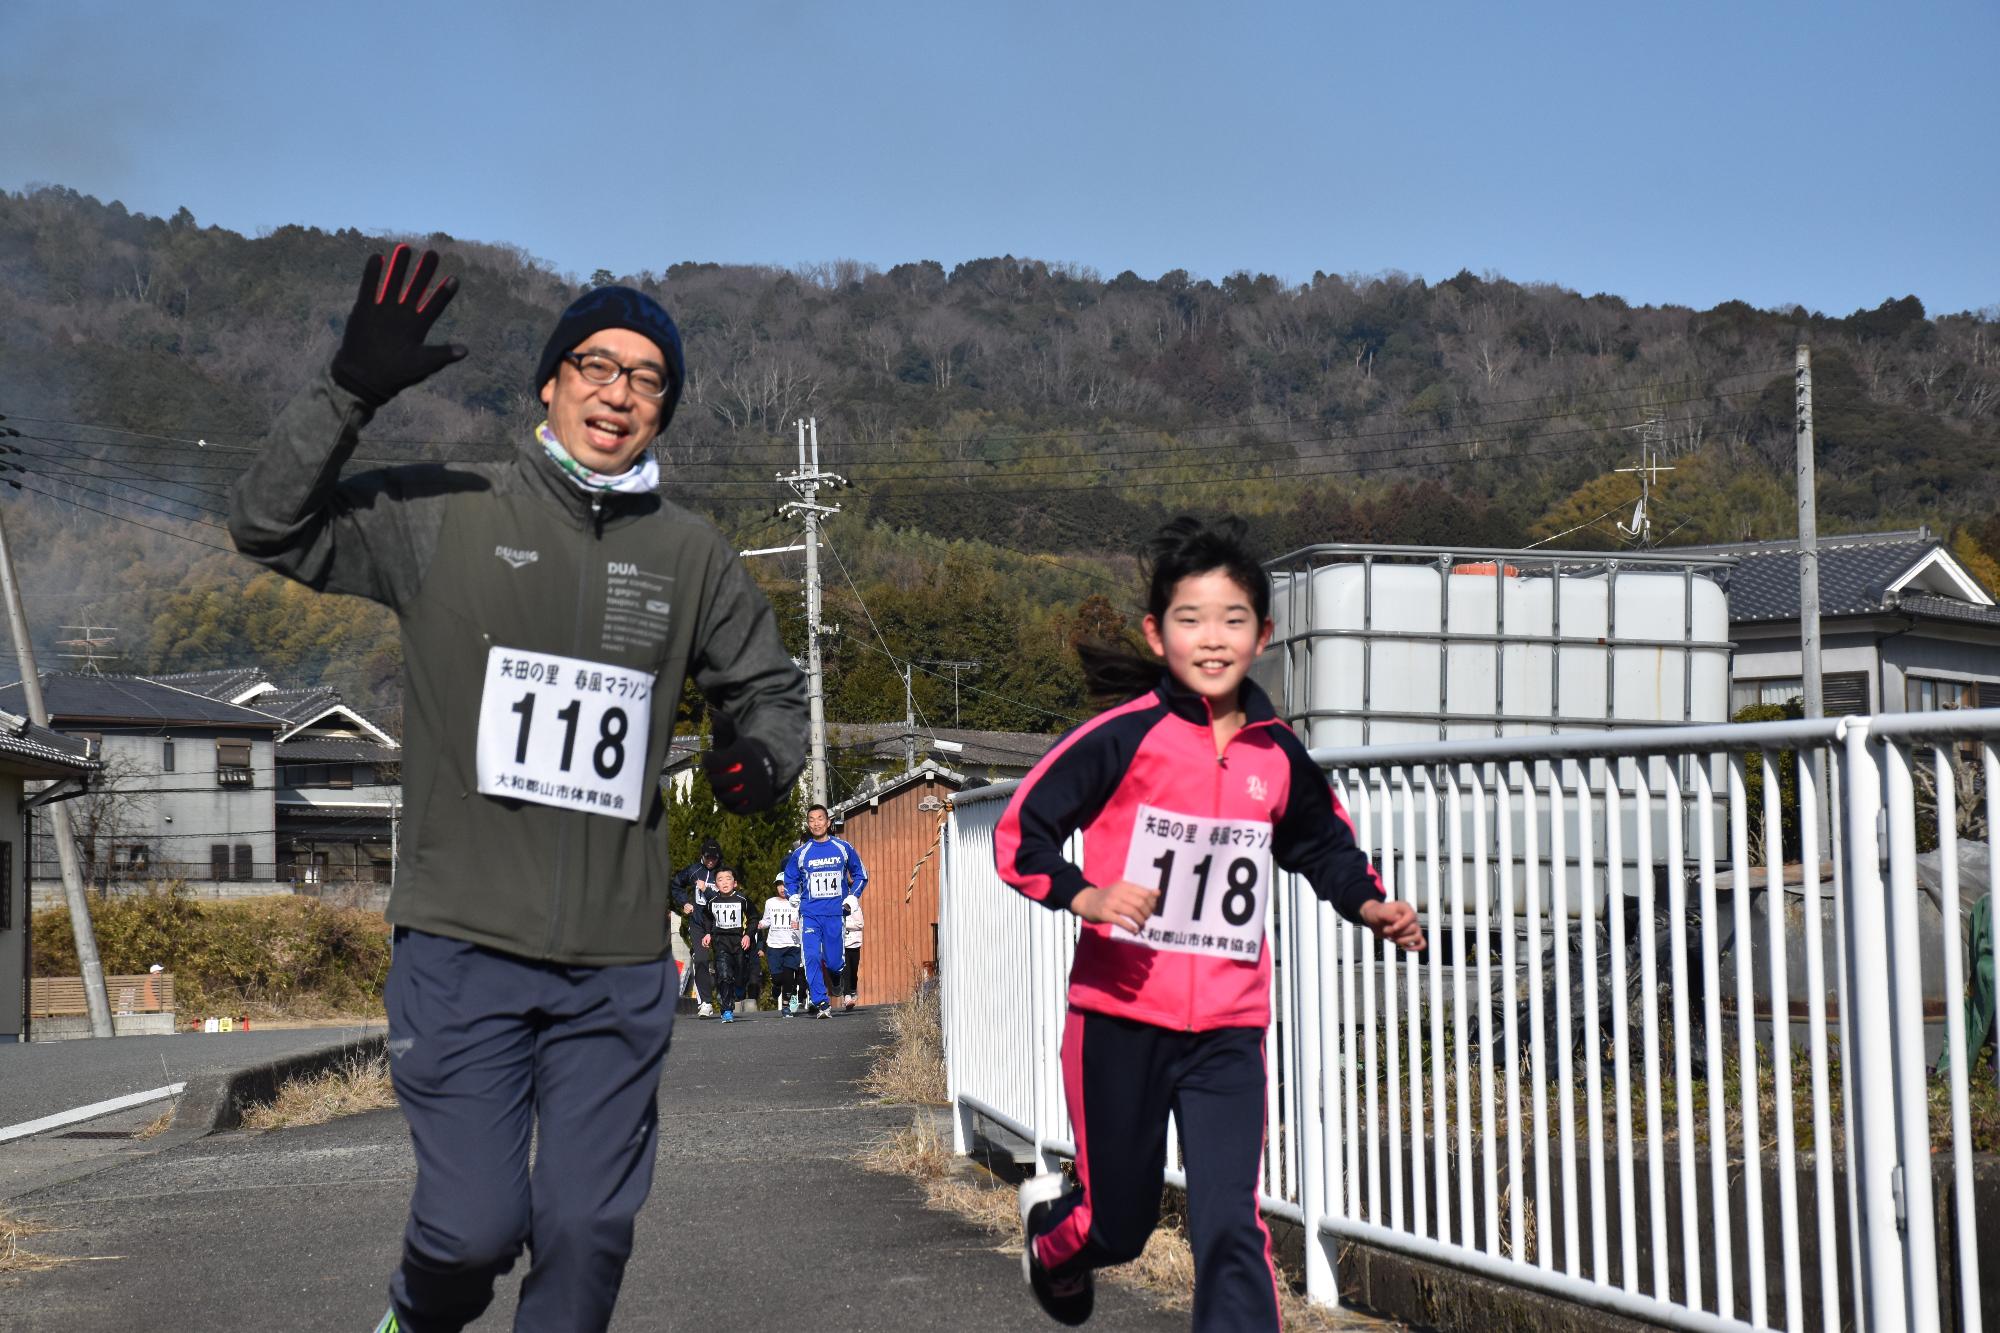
{"x": 215, "y": 1103}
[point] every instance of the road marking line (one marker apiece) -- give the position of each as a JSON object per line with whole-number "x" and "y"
{"x": 27, "y": 1127}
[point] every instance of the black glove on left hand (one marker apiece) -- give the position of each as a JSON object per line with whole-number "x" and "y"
{"x": 383, "y": 351}
{"x": 742, "y": 771}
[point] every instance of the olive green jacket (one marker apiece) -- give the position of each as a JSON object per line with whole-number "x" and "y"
{"x": 515, "y": 555}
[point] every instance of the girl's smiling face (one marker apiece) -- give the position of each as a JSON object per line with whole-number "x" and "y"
{"x": 1209, "y": 635}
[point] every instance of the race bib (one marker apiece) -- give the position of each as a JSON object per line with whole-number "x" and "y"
{"x": 565, "y": 731}
{"x": 728, "y": 916}
{"x": 824, "y": 883}
{"x": 1214, "y": 878}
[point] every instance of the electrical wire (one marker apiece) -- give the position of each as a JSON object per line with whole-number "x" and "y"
{"x": 864, "y": 441}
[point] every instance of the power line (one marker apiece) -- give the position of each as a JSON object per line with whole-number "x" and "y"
{"x": 64, "y": 499}
{"x": 743, "y": 457}
{"x": 1070, "y": 718}
{"x": 863, "y": 441}
{"x": 842, "y": 565}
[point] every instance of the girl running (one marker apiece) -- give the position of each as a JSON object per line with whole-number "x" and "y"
{"x": 1191, "y": 796}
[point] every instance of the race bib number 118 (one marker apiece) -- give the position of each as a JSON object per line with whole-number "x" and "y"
{"x": 1214, "y": 878}
{"x": 565, "y": 731}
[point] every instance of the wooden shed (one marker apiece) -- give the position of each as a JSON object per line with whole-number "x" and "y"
{"x": 895, "y": 826}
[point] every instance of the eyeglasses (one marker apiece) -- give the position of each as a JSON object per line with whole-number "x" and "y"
{"x": 600, "y": 369}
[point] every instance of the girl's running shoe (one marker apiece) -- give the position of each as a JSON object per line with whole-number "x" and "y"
{"x": 1067, "y": 1300}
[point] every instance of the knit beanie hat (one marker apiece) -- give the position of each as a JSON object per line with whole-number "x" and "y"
{"x": 617, "y": 308}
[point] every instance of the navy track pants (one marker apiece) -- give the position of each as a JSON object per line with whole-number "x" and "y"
{"x": 822, "y": 944}
{"x": 1121, "y": 1077}
{"x": 490, "y": 1052}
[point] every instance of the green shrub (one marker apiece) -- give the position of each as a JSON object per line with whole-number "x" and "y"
{"x": 265, "y": 957}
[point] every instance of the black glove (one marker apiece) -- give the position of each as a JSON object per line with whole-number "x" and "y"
{"x": 383, "y": 350}
{"x": 742, "y": 771}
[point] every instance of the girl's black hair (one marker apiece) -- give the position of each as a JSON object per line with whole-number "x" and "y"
{"x": 1184, "y": 548}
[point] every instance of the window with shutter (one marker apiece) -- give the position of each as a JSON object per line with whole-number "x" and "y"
{"x": 232, "y": 763}
{"x": 244, "y": 869}
{"x": 1845, "y": 692}
{"x": 218, "y": 860}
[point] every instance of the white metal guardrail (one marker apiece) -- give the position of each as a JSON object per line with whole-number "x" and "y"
{"x": 1644, "y": 1065}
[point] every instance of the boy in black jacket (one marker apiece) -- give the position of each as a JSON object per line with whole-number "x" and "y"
{"x": 725, "y": 919}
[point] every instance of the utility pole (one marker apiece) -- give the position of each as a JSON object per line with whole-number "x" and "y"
{"x": 1809, "y": 664}
{"x": 909, "y": 724}
{"x": 955, "y": 668}
{"x": 96, "y": 999}
{"x": 806, "y": 483}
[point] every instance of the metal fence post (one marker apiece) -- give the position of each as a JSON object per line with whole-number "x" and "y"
{"x": 1872, "y": 1154}
{"x": 1309, "y": 1143}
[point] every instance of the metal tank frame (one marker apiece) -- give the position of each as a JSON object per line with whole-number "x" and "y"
{"x": 1297, "y": 706}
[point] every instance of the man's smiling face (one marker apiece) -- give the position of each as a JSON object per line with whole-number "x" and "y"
{"x": 605, "y": 426}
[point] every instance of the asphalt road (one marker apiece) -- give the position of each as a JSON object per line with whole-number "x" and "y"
{"x": 42, "y": 1078}
{"x": 759, "y": 1217}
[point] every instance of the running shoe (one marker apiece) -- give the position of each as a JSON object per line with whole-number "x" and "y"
{"x": 388, "y": 1324}
{"x": 1067, "y": 1300}
{"x": 824, "y": 1011}
{"x": 706, "y": 1011}
{"x": 729, "y": 1015}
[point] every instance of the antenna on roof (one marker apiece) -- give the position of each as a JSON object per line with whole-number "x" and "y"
{"x": 1654, "y": 433}
{"x": 98, "y": 644}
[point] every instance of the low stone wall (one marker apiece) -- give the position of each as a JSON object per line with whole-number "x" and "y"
{"x": 68, "y": 1027}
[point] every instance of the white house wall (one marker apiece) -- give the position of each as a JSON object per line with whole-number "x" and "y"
{"x": 181, "y": 814}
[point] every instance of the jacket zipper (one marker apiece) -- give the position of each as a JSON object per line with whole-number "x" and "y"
{"x": 569, "y": 817}
{"x": 1220, "y": 766}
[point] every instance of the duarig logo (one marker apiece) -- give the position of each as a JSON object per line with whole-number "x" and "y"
{"x": 517, "y": 558}
{"x": 1257, "y": 789}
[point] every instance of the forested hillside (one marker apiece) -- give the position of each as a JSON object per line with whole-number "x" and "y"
{"x": 1010, "y": 428}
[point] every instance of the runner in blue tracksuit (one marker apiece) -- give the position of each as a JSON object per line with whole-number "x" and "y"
{"x": 820, "y": 876}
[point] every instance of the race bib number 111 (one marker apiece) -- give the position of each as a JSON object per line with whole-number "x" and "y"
{"x": 565, "y": 731}
{"x": 1214, "y": 878}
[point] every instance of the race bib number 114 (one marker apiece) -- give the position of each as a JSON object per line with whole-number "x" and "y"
{"x": 565, "y": 731}
{"x": 1214, "y": 878}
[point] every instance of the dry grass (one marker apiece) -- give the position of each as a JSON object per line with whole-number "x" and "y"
{"x": 14, "y": 1259}
{"x": 159, "y": 1123}
{"x": 910, "y": 1066}
{"x": 1165, "y": 1272}
{"x": 359, "y": 1085}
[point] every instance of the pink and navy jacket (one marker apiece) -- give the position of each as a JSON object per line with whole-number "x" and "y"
{"x": 1143, "y": 779}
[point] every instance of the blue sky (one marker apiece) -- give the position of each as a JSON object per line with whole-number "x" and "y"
{"x": 1825, "y": 154}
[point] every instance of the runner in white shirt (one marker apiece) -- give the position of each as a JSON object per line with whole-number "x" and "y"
{"x": 780, "y": 926}
{"x": 850, "y": 936}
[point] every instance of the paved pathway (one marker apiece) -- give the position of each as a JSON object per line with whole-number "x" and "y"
{"x": 41, "y": 1078}
{"x": 759, "y": 1218}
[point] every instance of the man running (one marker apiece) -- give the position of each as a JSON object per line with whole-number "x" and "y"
{"x": 691, "y": 889}
{"x": 551, "y": 607}
{"x": 821, "y": 875}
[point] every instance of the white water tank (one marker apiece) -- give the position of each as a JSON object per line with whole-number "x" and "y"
{"x": 1387, "y": 645}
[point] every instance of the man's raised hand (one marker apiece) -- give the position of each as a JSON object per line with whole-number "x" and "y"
{"x": 383, "y": 351}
